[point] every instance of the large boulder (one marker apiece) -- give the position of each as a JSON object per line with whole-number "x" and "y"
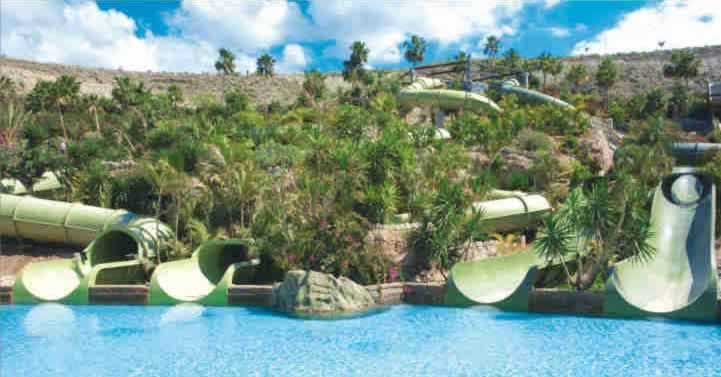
{"x": 598, "y": 148}
{"x": 515, "y": 159}
{"x": 311, "y": 292}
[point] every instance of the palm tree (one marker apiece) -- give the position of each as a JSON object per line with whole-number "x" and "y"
{"x": 265, "y": 64}
{"x": 491, "y": 48}
{"x": 353, "y": 68}
{"x": 605, "y": 223}
{"x": 93, "y": 103}
{"x": 577, "y": 75}
{"x": 511, "y": 58}
{"x": 64, "y": 93}
{"x": 225, "y": 62}
{"x": 555, "y": 242}
{"x": 684, "y": 65}
{"x": 549, "y": 66}
{"x": 415, "y": 50}
{"x": 606, "y": 76}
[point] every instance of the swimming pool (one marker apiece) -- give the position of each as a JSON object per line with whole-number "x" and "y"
{"x": 113, "y": 341}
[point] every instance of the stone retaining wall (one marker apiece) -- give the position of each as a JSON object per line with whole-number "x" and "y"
{"x": 561, "y": 301}
{"x": 255, "y": 295}
{"x": 5, "y": 295}
{"x": 119, "y": 294}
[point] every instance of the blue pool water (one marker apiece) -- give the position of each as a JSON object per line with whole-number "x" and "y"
{"x": 113, "y": 341}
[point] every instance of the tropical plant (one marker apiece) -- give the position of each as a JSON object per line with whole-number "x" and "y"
{"x": 415, "y": 49}
{"x": 512, "y": 59}
{"x": 447, "y": 228}
{"x": 313, "y": 86}
{"x": 605, "y": 223}
{"x": 549, "y": 65}
{"x": 576, "y": 76}
{"x": 59, "y": 95}
{"x": 606, "y": 76}
{"x": 265, "y": 65}
{"x": 225, "y": 62}
{"x": 353, "y": 68}
{"x": 684, "y": 65}
{"x": 491, "y": 48}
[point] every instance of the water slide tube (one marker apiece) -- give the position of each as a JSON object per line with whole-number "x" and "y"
{"x": 680, "y": 280}
{"x": 528, "y": 95}
{"x": 115, "y": 240}
{"x": 427, "y": 92}
{"x": 47, "y": 183}
{"x": 501, "y": 281}
{"x": 205, "y": 277}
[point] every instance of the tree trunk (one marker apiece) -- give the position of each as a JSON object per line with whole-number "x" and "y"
{"x": 62, "y": 125}
{"x": 97, "y": 122}
{"x": 588, "y": 276}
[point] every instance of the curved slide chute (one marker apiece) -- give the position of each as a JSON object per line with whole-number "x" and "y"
{"x": 680, "y": 280}
{"x": 115, "y": 239}
{"x": 530, "y": 96}
{"x": 502, "y": 281}
{"x": 427, "y": 92}
{"x": 205, "y": 277}
{"x": 47, "y": 183}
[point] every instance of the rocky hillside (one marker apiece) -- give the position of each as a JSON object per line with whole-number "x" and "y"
{"x": 263, "y": 90}
{"x": 640, "y": 71}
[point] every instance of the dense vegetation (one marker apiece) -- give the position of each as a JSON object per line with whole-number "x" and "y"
{"x": 307, "y": 182}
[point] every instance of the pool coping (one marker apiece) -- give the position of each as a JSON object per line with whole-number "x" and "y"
{"x": 541, "y": 300}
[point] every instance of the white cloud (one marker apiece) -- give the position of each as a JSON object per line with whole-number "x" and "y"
{"x": 385, "y": 25}
{"x": 79, "y": 32}
{"x": 247, "y": 25}
{"x": 678, "y": 23}
{"x": 294, "y": 59}
{"x": 559, "y": 32}
{"x": 563, "y": 32}
{"x": 550, "y": 3}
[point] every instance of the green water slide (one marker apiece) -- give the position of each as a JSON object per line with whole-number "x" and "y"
{"x": 680, "y": 281}
{"x": 502, "y": 281}
{"x": 428, "y": 92}
{"x": 115, "y": 240}
{"x": 48, "y": 182}
{"x": 205, "y": 277}
{"x": 530, "y": 96}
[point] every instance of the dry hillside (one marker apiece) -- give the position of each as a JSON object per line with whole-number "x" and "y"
{"x": 639, "y": 71}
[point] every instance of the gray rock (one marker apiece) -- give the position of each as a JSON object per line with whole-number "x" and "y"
{"x": 515, "y": 159}
{"x": 311, "y": 292}
{"x": 598, "y": 147}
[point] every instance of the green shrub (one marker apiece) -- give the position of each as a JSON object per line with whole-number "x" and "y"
{"x": 530, "y": 140}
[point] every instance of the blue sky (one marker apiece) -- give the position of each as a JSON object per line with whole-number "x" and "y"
{"x": 184, "y": 35}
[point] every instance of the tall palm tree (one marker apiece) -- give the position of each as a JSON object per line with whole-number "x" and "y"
{"x": 511, "y": 58}
{"x": 684, "y": 65}
{"x": 415, "y": 50}
{"x": 225, "y": 62}
{"x": 353, "y": 69}
{"x": 64, "y": 93}
{"x": 549, "y": 66}
{"x": 606, "y": 76}
{"x": 265, "y": 65}
{"x": 577, "y": 75}
{"x": 491, "y": 48}
{"x": 93, "y": 104}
